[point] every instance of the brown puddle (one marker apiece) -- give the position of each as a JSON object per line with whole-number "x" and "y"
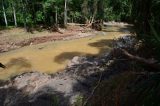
{"x": 53, "y": 56}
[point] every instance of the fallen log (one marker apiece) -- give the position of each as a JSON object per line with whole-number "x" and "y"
{"x": 147, "y": 62}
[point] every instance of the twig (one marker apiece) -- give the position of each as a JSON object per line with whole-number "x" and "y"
{"x": 93, "y": 91}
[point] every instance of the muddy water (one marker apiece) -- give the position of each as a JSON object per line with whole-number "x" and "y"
{"x": 54, "y": 56}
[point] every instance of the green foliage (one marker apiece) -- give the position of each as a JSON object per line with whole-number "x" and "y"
{"x": 75, "y": 16}
{"x": 39, "y": 16}
{"x": 29, "y": 19}
{"x": 55, "y": 101}
{"x": 34, "y": 12}
{"x": 118, "y": 10}
{"x": 146, "y": 16}
{"x": 79, "y": 101}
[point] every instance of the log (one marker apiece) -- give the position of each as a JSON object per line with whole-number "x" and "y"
{"x": 148, "y": 62}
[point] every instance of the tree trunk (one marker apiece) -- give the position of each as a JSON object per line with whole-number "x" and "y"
{"x": 72, "y": 19}
{"x": 142, "y": 14}
{"x": 14, "y": 13}
{"x": 95, "y": 8}
{"x": 85, "y": 10}
{"x": 4, "y": 14}
{"x": 65, "y": 14}
{"x": 24, "y": 16}
{"x": 56, "y": 17}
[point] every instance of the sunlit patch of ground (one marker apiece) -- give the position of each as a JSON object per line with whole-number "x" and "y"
{"x": 18, "y": 34}
{"x": 54, "y": 56}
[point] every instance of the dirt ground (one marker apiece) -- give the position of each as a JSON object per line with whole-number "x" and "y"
{"x": 52, "y": 57}
{"x": 17, "y": 37}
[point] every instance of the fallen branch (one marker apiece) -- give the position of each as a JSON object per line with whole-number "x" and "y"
{"x": 149, "y": 62}
{"x": 93, "y": 91}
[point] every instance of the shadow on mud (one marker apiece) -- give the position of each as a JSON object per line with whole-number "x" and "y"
{"x": 104, "y": 43}
{"x": 102, "y": 46}
{"x": 15, "y": 97}
{"x": 19, "y": 62}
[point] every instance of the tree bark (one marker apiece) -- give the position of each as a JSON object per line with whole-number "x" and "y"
{"x": 85, "y": 10}
{"x": 56, "y": 17}
{"x": 65, "y": 14}
{"x": 95, "y": 8}
{"x": 14, "y": 13}
{"x": 4, "y": 14}
{"x": 24, "y": 16}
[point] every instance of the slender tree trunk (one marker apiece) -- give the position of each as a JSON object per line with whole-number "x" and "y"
{"x": 24, "y": 18}
{"x": 95, "y": 9}
{"x": 14, "y": 13}
{"x": 65, "y": 14}
{"x": 94, "y": 12}
{"x": 45, "y": 16}
{"x": 72, "y": 19}
{"x": 85, "y": 10}
{"x": 56, "y": 17}
{"x": 4, "y": 14}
